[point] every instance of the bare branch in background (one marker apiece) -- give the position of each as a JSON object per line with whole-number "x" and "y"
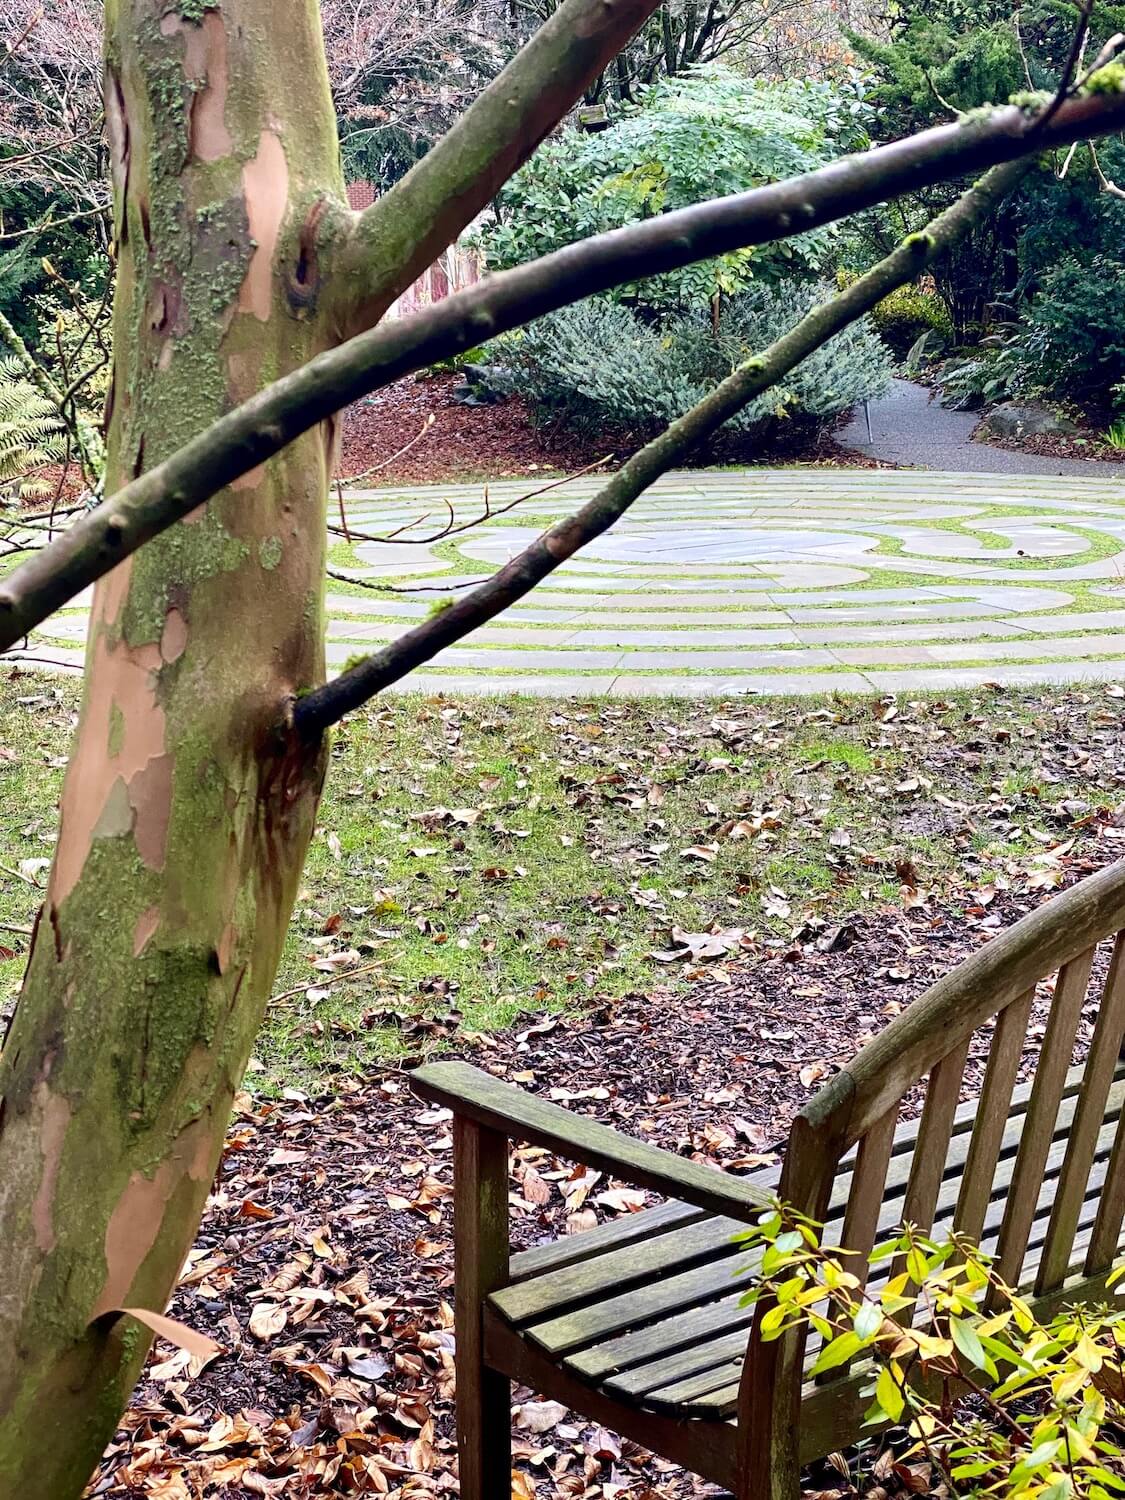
{"x": 453, "y": 527}
{"x": 1072, "y": 66}
{"x": 51, "y": 109}
{"x": 1103, "y": 181}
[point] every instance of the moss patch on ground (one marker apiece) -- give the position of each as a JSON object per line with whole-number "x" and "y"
{"x": 482, "y": 858}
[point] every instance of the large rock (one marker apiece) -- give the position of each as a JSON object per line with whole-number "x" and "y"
{"x": 1017, "y": 419}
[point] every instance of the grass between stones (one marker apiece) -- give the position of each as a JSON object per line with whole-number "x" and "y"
{"x": 482, "y": 858}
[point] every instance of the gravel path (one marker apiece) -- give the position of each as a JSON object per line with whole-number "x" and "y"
{"x": 723, "y": 582}
{"x": 908, "y": 427}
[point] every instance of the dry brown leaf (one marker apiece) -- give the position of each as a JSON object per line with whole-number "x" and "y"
{"x": 268, "y": 1320}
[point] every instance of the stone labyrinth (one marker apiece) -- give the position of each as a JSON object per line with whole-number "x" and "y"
{"x": 763, "y": 581}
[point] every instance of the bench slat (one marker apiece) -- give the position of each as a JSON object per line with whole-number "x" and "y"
{"x": 1105, "y": 1047}
{"x": 632, "y": 1385}
{"x": 927, "y": 1166}
{"x": 1106, "y": 1238}
{"x": 867, "y": 1188}
{"x": 1050, "y": 1077}
{"x": 689, "y": 1330}
{"x": 626, "y": 1230}
{"x": 993, "y": 1113}
{"x": 663, "y": 1255}
{"x": 586, "y": 1325}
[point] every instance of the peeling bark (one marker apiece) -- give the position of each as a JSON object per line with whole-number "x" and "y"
{"x": 147, "y": 980}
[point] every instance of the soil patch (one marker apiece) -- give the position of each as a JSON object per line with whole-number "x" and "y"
{"x": 1089, "y": 444}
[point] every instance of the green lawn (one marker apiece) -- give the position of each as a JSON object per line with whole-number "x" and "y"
{"x": 506, "y": 856}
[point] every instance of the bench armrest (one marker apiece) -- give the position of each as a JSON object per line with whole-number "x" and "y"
{"x": 510, "y": 1111}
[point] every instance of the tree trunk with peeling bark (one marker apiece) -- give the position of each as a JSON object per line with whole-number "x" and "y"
{"x": 186, "y": 812}
{"x": 192, "y": 792}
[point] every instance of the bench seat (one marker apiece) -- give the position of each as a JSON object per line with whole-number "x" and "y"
{"x": 648, "y": 1308}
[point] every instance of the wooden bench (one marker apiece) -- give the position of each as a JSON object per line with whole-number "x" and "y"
{"x": 637, "y": 1324}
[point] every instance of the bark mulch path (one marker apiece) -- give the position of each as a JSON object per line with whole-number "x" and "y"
{"x": 490, "y": 442}
{"x": 324, "y": 1264}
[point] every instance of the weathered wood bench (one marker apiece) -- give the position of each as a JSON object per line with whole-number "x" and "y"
{"x": 637, "y": 1324}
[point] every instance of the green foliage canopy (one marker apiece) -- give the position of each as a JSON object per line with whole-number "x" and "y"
{"x": 699, "y": 136}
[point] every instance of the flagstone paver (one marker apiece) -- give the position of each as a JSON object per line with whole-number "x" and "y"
{"x": 724, "y": 581}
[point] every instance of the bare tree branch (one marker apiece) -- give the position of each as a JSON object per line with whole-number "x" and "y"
{"x": 265, "y": 424}
{"x": 454, "y": 527}
{"x": 1103, "y": 181}
{"x": 315, "y": 712}
{"x": 1071, "y": 66}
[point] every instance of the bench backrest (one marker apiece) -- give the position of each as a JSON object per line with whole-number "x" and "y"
{"x": 1050, "y": 1150}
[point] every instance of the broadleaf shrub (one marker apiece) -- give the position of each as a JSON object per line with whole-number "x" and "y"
{"x": 701, "y": 135}
{"x": 909, "y": 312}
{"x": 1071, "y": 342}
{"x": 601, "y": 364}
{"x": 997, "y": 1402}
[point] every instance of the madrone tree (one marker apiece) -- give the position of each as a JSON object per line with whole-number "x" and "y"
{"x": 247, "y": 314}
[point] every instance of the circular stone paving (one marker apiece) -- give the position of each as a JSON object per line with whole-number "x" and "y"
{"x": 765, "y": 581}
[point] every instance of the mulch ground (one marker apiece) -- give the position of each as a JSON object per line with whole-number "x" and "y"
{"x": 1086, "y": 444}
{"x": 324, "y": 1263}
{"x": 502, "y": 440}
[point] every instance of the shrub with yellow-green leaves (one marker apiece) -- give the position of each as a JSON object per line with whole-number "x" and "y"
{"x": 999, "y": 1402}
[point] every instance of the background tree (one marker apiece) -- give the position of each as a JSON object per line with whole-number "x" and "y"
{"x": 54, "y": 192}
{"x": 956, "y": 56}
{"x": 401, "y": 73}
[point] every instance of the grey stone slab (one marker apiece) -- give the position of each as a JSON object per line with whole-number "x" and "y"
{"x": 693, "y": 638}
{"x": 1067, "y": 624}
{"x": 47, "y": 658}
{"x": 375, "y": 604}
{"x": 874, "y": 616}
{"x": 1019, "y": 600}
{"x": 500, "y": 660}
{"x": 814, "y": 597}
{"x": 518, "y": 684}
{"x": 487, "y": 635}
{"x": 795, "y": 658}
{"x": 718, "y": 686}
{"x": 1023, "y": 650}
{"x": 736, "y": 617}
{"x": 653, "y": 609}
{"x": 860, "y": 635}
{"x": 939, "y": 680}
{"x": 63, "y": 628}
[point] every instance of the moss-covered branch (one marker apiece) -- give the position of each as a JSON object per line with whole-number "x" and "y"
{"x": 314, "y": 713}
{"x": 265, "y": 424}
